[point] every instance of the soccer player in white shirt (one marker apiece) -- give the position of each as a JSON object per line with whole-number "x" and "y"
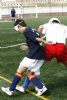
{"x": 56, "y": 35}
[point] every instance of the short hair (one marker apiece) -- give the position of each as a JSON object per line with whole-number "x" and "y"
{"x": 20, "y": 22}
{"x": 54, "y": 20}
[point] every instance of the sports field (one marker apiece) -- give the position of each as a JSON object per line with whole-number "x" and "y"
{"x": 52, "y": 74}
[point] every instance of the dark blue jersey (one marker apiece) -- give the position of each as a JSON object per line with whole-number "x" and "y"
{"x": 13, "y": 12}
{"x": 35, "y": 49}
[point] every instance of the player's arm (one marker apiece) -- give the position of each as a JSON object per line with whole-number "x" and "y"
{"x": 33, "y": 35}
{"x": 41, "y": 40}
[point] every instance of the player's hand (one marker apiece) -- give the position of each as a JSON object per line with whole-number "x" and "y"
{"x": 46, "y": 42}
{"x": 38, "y": 39}
{"x": 24, "y": 47}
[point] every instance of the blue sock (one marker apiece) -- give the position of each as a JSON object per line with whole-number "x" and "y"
{"x": 15, "y": 81}
{"x": 37, "y": 82}
{"x": 26, "y": 82}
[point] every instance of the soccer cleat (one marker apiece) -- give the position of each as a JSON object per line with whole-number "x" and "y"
{"x": 7, "y": 91}
{"x": 20, "y": 89}
{"x": 41, "y": 91}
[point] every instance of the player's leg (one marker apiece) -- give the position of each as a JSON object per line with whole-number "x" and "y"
{"x": 63, "y": 56}
{"x": 26, "y": 81}
{"x": 33, "y": 78}
{"x": 34, "y": 72}
{"x": 15, "y": 81}
{"x": 16, "y": 78}
{"x": 24, "y": 85}
{"x": 49, "y": 52}
{"x": 65, "y": 64}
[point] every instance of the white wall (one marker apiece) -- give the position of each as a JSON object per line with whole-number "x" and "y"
{"x": 31, "y": 10}
{"x": 8, "y": 0}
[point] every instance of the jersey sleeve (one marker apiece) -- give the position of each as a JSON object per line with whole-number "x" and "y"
{"x": 31, "y": 34}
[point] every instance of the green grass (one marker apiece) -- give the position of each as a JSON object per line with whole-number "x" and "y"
{"x": 52, "y": 74}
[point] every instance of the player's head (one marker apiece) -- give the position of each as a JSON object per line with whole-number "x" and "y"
{"x": 40, "y": 29}
{"x": 19, "y": 25}
{"x": 54, "y": 20}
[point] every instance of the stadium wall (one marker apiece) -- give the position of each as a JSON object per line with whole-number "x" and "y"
{"x": 33, "y": 8}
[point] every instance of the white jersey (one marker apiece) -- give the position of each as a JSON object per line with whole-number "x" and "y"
{"x": 55, "y": 32}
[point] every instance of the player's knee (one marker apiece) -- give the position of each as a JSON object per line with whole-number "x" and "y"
{"x": 21, "y": 69}
{"x": 31, "y": 75}
{"x": 18, "y": 74}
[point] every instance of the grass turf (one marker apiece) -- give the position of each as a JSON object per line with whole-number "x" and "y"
{"x": 52, "y": 74}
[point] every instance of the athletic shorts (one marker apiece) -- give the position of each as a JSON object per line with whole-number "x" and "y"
{"x": 32, "y": 65}
{"x": 58, "y": 50}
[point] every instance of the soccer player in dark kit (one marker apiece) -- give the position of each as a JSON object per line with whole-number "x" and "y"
{"x": 31, "y": 62}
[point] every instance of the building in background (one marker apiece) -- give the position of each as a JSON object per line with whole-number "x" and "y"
{"x": 32, "y": 8}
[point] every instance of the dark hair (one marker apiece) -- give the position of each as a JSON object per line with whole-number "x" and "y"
{"x": 20, "y": 22}
{"x": 55, "y": 21}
